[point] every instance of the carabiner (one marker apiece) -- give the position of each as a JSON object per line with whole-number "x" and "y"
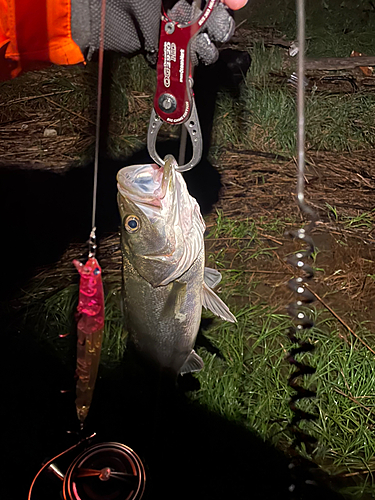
{"x": 174, "y": 98}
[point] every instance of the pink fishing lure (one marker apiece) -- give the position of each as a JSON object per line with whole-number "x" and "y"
{"x": 90, "y": 328}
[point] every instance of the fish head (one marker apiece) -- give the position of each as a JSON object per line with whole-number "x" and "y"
{"x": 162, "y": 227}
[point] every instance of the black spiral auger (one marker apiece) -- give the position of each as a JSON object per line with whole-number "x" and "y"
{"x": 303, "y": 322}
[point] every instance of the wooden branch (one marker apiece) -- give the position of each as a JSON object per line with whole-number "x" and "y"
{"x": 335, "y": 315}
{"x": 340, "y": 320}
{"x": 68, "y": 110}
{"x": 336, "y": 63}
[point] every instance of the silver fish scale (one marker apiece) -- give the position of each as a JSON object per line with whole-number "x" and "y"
{"x": 163, "y": 321}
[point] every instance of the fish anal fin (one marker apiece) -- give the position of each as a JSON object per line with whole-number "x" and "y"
{"x": 194, "y": 363}
{"x": 212, "y": 302}
{"x": 212, "y": 277}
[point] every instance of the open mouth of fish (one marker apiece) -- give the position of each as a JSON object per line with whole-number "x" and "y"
{"x": 146, "y": 184}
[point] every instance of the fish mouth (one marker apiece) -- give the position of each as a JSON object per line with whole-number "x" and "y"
{"x": 147, "y": 184}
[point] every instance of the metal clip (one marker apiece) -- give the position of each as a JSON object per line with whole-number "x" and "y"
{"x": 92, "y": 243}
{"x": 174, "y": 101}
{"x": 194, "y": 130}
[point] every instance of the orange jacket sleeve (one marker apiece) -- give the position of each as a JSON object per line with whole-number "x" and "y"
{"x": 34, "y": 33}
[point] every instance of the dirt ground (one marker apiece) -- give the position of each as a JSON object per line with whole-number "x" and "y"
{"x": 339, "y": 187}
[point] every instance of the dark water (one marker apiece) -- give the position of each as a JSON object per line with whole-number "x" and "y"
{"x": 188, "y": 452}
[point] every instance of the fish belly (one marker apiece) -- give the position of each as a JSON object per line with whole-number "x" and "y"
{"x": 163, "y": 321}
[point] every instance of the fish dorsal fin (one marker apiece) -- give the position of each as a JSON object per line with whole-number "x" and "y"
{"x": 212, "y": 302}
{"x": 212, "y": 277}
{"x": 194, "y": 363}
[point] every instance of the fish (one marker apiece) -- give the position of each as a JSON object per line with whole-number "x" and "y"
{"x": 90, "y": 326}
{"x": 165, "y": 281}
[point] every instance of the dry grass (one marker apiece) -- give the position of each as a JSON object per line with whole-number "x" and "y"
{"x": 59, "y": 99}
{"x": 264, "y": 184}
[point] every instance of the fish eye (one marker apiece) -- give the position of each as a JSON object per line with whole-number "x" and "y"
{"x": 132, "y": 223}
{"x": 96, "y": 271}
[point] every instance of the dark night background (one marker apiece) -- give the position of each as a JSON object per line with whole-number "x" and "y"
{"x": 188, "y": 452}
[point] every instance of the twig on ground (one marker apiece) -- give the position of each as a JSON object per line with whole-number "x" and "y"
{"x": 247, "y": 238}
{"x": 264, "y": 235}
{"x": 335, "y": 63}
{"x": 349, "y": 474}
{"x": 259, "y": 271}
{"x": 340, "y": 320}
{"x": 351, "y": 399}
{"x": 69, "y": 110}
{"x": 29, "y": 98}
{"x": 334, "y": 314}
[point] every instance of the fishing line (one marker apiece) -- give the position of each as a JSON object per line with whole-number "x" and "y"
{"x": 92, "y": 237}
{"x": 98, "y": 114}
{"x": 50, "y": 462}
{"x": 105, "y": 461}
{"x": 305, "y": 273}
{"x": 89, "y": 332}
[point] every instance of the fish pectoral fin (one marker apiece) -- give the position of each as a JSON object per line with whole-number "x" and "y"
{"x": 194, "y": 363}
{"x": 212, "y": 302}
{"x": 175, "y": 298}
{"x": 211, "y": 277}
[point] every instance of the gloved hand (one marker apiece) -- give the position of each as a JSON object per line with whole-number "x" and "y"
{"x": 132, "y": 26}
{"x": 218, "y": 28}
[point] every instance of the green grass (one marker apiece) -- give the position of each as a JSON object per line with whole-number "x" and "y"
{"x": 364, "y": 220}
{"x": 55, "y": 316}
{"x": 248, "y": 382}
{"x": 250, "y": 386}
{"x": 246, "y": 385}
{"x": 225, "y": 227}
{"x": 333, "y": 27}
{"x": 264, "y": 118}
